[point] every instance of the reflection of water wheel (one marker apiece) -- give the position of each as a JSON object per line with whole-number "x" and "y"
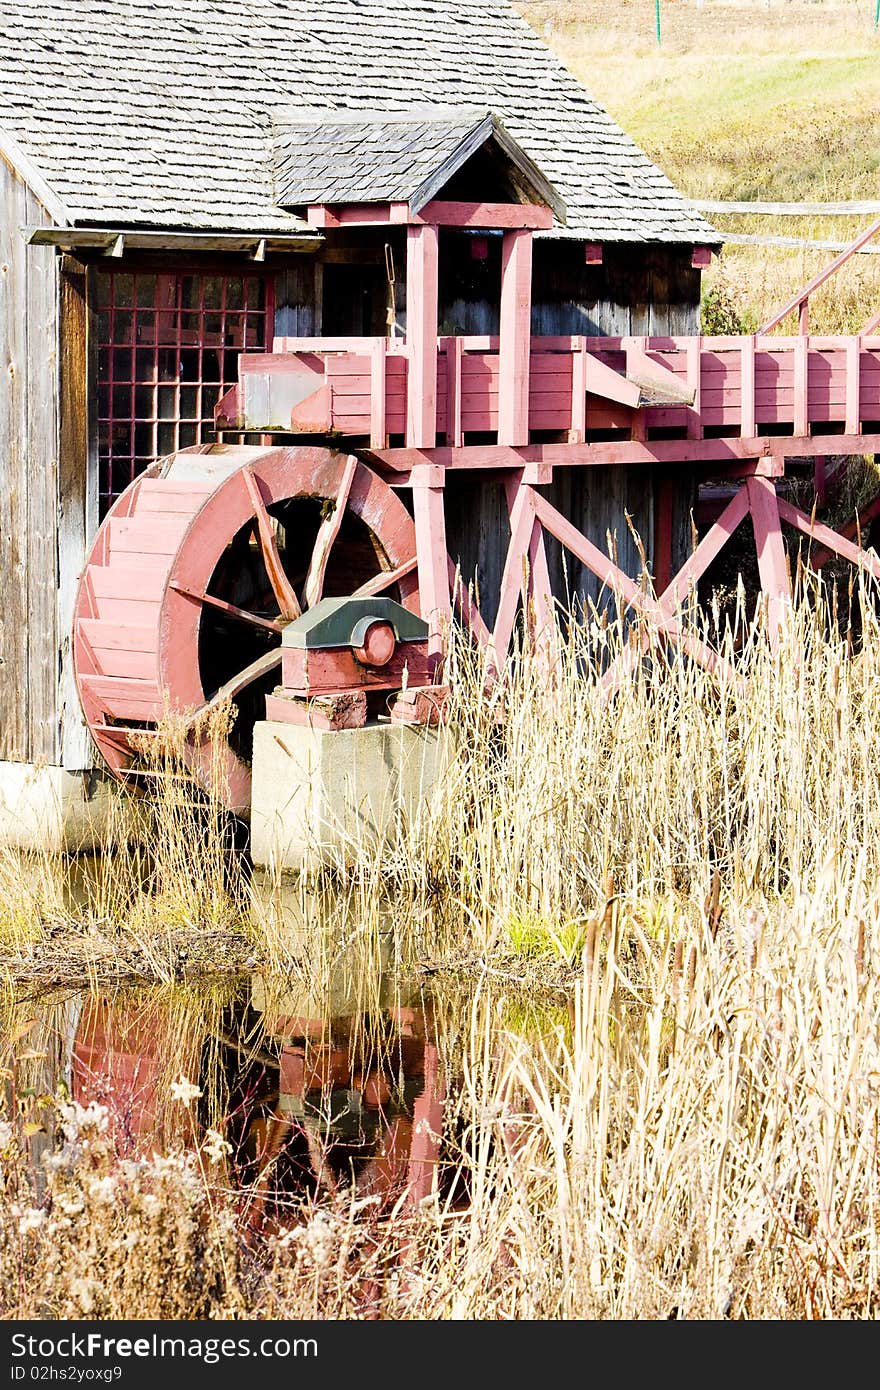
{"x": 197, "y": 567}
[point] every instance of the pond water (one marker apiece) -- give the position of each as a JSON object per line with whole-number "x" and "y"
{"x": 313, "y": 1092}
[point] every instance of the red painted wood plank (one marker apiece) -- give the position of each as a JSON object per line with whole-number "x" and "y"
{"x": 116, "y": 661}
{"x": 126, "y": 610}
{"x": 109, "y": 636}
{"x": 524, "y": 216}
{"x": 124, "y": 698}
{"x": 148, "y": 534}
{"x": 142, "y": 582}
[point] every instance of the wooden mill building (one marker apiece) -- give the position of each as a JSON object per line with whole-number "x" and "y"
{"x": 157, "y": 161}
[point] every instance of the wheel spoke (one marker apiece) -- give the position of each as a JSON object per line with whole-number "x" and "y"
{"x": 327, "y": 533}
{"x": 229, "y": 609}
{"x": 261, "y": 667}
{"x": 385, "y": 578}
{"x": 288, "y": 602}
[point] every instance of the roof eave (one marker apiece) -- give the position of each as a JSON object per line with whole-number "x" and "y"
{"x": 24, "y": 166}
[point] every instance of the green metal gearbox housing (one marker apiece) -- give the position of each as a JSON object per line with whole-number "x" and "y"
{"x": 332, "y": 622}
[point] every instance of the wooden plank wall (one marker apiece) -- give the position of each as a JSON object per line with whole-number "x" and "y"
{"x": 28, "y": 482}
{"x": 298, "y": 298}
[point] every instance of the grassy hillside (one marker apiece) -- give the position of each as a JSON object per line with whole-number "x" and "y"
{"x": 768, "y": 99}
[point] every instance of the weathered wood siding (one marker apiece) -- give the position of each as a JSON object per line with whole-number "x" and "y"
{"x": 298, "y": 298}
{"x": 77, "y": 489}
{"x": 29, "y": 729}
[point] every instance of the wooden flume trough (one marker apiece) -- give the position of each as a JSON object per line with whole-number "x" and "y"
{"x": 211, "y": 557}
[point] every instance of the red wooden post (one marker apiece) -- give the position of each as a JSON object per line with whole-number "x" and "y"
{"x": 515, "y": 338}
{"x": 694, "y": 352}
{"x": 772, "y": 565}
{"x": 578, "y": 430}
{"x": 853, "y": 421}
{"x": 421, "y": 336}
{"x": 427, "y": 481}
{"x": 747, "y": 387}
{"x": 378, "y": 432}
{"x": 427, "y": 1131}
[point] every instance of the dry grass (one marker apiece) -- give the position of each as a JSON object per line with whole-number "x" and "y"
{"x": 163, "y": 896}
{"x": 741, "y": 101}
{"x": 693, "y": 1137}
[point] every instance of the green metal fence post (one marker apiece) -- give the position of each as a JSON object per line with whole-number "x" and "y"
{"x": 657, "y": 17}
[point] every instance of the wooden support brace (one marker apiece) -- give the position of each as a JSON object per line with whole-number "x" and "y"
{"x": 536, "y": 589}
{"x": 820, "y": 478}
{"x": 659, "y": 612}
{"x": 772, "y": 565}
{"x": 832, "y": 540}
{"x": 522, "y": 519}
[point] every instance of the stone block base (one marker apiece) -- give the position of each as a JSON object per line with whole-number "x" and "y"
{"x": 49, "y": 808}
{"x": 334, "y": 795}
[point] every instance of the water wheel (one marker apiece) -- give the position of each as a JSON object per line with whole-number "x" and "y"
{"x": 193, "y": 574}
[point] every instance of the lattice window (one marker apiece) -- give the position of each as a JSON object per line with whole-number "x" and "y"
{"x": 168, "y": 344}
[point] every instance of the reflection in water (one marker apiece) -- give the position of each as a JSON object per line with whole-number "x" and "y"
{"x": 311, "y": 1104}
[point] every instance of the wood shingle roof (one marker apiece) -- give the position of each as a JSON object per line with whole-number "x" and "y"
{"x": 407, "y": 156}
{"x": 154, "y": 113}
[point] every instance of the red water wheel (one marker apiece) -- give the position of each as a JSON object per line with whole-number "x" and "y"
{"x": 196, "y": 569}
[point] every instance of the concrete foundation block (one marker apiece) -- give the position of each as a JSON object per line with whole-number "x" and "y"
{"x": 334, "y": 795}
{"x": 50, "y": 808}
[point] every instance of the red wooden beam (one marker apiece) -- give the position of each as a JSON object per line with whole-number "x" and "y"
{"x": 526, "y": 216}
{"x": 768, "y": 451}
{"x": 356, "y": 214}
{"x": 836, "y": 542}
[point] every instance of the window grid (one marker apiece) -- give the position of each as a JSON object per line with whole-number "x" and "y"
{"x": 168, "y": 345}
